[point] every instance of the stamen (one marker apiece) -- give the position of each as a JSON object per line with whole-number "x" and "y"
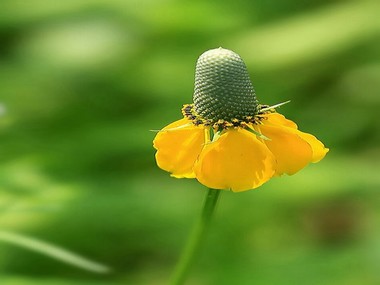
{"x": 190, "y": 113}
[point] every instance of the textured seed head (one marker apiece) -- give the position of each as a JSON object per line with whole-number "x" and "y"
{"x": 223, "y": 89}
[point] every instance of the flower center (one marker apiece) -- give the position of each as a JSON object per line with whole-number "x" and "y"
{"x": 223, "y": 89}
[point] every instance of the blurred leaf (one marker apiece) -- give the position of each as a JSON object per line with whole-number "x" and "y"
{"x": 52, "y": 251}
{"x": 310, "y": 36}
{"x": 22, "y": 280}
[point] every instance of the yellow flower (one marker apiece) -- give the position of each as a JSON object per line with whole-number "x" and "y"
{"x": 227, "y": 140}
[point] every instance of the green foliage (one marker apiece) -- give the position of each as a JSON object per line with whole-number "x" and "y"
{"x": 83, "y": 82}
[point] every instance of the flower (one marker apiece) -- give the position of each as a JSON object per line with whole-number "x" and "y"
{"x": 226, "y": 140}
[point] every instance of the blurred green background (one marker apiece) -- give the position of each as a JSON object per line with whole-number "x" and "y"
{"x": 83, "y": 82}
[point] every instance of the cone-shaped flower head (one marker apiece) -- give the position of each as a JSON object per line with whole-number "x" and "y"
{"x": 226, "y": 140}
{"x": 223, "y": 89}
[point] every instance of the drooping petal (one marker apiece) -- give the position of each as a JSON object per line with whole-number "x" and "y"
{"x": 318, "y": 149}
{"x": 278, "y": 119}
{"x": 178, "y": 147}
{"x": 237, "y": 160}
{"x": 292, "y": 152}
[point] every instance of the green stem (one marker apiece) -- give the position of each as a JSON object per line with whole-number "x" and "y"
{"x": 195, "y": 239}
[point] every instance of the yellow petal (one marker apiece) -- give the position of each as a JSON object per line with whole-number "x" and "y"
{"x": 319, "y": 150}
{"x": 278, "y": 119}
{"x": 178, "y": 147}
{"x": 291, "y": 151}
{"x": 237, "y": 160}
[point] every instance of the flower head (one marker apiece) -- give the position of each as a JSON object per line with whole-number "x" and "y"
{"x": 226, "y": 139}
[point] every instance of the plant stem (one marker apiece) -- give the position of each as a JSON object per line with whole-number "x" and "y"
{"x": 194, "y": 242}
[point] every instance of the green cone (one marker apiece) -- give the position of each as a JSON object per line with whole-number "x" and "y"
{"x": 223, "y": 89}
